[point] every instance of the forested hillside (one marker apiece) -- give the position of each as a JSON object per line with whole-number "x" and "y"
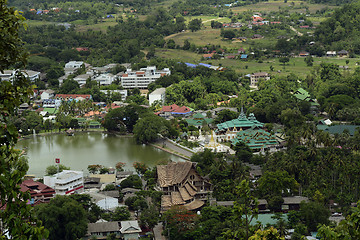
{"x": 342, "y": 30}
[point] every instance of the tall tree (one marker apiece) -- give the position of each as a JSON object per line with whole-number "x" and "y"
{"x": 15, "y": 215}
{"x": 64, "y": 217}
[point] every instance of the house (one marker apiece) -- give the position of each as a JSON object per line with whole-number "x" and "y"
{"x": 181, "y": 184}
{"x": 157, "y": 95}
{"x": 331, "y": 53}
{"x": 66, "y": 182}
{"x": 208, "y": 55}
{"x": 244, "y": 56}
{"x": 105, "y": 79}
{"x": 142, "y": 78}
{"x": 51, "y": 103}
{"x": 100, "y": 230}
{"x": 130, "y": 230}
{"x": 304, "y": 54}
{"x": 257, "y": 18}
{"x": 175, "y": 110}
{"x": 293, "y": 203}
{"x": 23, "y": 107}
{"x": 81, "y": 79}
{"x": 303, "y": 95}
{"x": 74, "y": 64}
{"x": 92, "y": 182}
{"x": 123, "y": 93}
{"x": 241, "y": 51}
{"x": 9, "y": 75}
{"x": 339, "y": 129}
{"x": 228, "y": 130}
{"x": 198, "y": 120}
{"x": 343, "y": 53}
{"x": 71, "y": 97}
{"x": 255, "y": 77}
{"x": 94, "y": 124}
{"x": 257, "y": 36}
{"x": 39, "y": 192}
{"x": 47, "y": 94}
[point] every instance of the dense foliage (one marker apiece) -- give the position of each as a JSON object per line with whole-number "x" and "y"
{"x": 341, "y": 30}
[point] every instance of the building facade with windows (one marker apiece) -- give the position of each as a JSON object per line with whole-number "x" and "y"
{"x": 66, "y": 182}
{"x": 142, "y": 78}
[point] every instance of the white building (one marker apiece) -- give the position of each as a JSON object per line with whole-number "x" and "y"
{"x": 157, "y": 95}
{"x": 255, "y": 77}
{"x": 130, "y": 230}
{"x": 9, "y": 74}
{"x": 71, "y": 66}
{"x": 123, "y": 93}
{"x": 47, "y": 94}
{"x": 105, "y": 79}
{"x": 66, "y": 182}
{"x": 74, "y": 64}
{"x": 142, "y": 78}
{"x": 81, "y": 79}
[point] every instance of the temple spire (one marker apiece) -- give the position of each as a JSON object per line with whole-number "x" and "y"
{"x": 242, "y": 114}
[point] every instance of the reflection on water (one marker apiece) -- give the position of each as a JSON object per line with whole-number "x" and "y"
{"x": 83, "y": 149}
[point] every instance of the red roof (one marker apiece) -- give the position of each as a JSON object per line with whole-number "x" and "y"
{"x": 175, "y": 109}
{"x": 38, "y": 191}
{"x": 169, "y": 108}
{"x": 80, "y": 49}
{"x": 210, "y": 55}
{"x": 73, "y": 96}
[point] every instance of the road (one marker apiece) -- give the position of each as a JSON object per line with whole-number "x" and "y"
{"x": 157, "y": 232}
{"x": 177, "y": 149}
{"x": 297, "y": 32}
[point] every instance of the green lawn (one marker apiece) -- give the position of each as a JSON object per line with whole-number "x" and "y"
{"x": 296, "y": 65}
{"x": 35, "y": 23}
{"x": 272, "y": 6}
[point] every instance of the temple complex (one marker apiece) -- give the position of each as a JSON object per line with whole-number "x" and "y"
{"x": 228, "y": 130}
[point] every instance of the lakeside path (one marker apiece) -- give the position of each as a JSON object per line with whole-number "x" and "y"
{"x": 174, "y": 149}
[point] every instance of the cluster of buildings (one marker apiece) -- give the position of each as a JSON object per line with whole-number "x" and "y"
{"x": 8, "y": 75}
{"x": 129, "y": 79}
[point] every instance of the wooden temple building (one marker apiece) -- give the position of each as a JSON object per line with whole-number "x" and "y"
{"x": 182, "y": 185}
{"x": 247, "y": 130}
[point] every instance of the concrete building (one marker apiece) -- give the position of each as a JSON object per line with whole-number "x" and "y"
{"x": 123, "y": 93}
{"x": 81, "y": 79}
{"x": 157, "y": 95}
{"x": 74, "y": 64}
{"x": 66, "y": 182}
{"x": 142, "y": 78}
{"x": 47, "y": 94}
{"x": 255, "y": 77}
{"x": 105, "y": 78}
{"x": 9, "y": 74}
{"x": 39, "y": 192}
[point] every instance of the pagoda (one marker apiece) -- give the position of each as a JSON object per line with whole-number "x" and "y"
{"x": 228, "y": 130}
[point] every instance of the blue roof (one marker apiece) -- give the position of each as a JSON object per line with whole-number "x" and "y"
{"x": 205, "y": 65}
{"x": 191, "y": 65}
{"x": 244, "y": 56}
{"x": 227, "y": 5}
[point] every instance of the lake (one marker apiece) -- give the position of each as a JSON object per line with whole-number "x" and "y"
{"x": 87, "y": 148}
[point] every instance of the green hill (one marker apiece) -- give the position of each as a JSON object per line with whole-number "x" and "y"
{"x": 342, "y": 30}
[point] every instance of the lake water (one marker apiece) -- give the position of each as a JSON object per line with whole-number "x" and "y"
{"x": 83, "y": 149}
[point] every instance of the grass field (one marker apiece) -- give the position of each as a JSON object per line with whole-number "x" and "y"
{"x": 100, "y": 26}
{"x": 296, "y": 65}
{"x": 273, "y": 6}
{"x": 35, "y": 23}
